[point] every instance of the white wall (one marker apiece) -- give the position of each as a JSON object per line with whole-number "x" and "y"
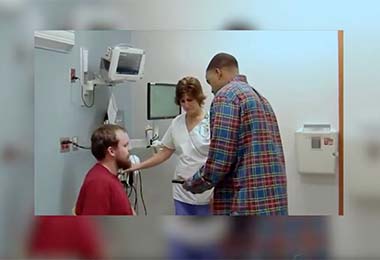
{"x": 59, "y": 113}
{"x": 16, "y": 132}
{"x": 296, "y": 70}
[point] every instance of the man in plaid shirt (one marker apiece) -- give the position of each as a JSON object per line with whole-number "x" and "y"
{"x": 245, "y": 163}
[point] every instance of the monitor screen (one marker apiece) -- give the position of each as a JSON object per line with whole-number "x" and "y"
{"x": 160, "y": 101}
{"x": 129, "y": 63}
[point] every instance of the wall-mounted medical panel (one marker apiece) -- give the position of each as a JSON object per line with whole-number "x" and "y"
{"x": 316, "y": 149}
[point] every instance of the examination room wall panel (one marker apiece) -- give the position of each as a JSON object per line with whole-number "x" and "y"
{"x": 296, "y": 70}
{"x": 59, "y": 113}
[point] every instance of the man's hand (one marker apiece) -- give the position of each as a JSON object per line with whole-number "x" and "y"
{"x": 196, "y": 183}
{"x": 186, "y": 184}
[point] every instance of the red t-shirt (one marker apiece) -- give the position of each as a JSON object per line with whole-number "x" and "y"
{"x": 66, "y": 237}
{"x": 102, "y": 194}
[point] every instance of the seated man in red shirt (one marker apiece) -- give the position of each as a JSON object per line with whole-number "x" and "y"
{"x": 102, "y": 193}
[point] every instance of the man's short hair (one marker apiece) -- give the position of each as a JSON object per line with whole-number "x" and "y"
{"x": 104, "y": 137}
{"x": 221, "y": 60}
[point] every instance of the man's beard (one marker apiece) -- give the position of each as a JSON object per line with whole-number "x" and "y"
{"x": 124, "y": 163}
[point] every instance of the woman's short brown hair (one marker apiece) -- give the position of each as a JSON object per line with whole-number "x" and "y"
{"x": 191, "y": 87}
{"x": 104, "y": 137}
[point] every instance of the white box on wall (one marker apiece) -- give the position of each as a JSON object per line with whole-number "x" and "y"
{"x": 316, "y": 149}
{"x": 55, "y": 40}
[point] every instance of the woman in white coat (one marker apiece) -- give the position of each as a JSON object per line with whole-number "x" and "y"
{"x": 189, "y": 137}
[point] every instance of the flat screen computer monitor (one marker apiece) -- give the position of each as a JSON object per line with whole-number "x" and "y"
{"x": 160, "y": 101}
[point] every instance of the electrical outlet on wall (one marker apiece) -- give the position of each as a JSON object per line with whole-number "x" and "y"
{"x": 64, "y": 143}
{"x": 72, "y": 75}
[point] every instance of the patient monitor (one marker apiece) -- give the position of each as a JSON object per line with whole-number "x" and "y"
{"x": 122, "y": 63}
{"x": 119, "y": 64}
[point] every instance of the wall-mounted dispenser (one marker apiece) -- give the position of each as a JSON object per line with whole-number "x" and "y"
{"x": 316, "y": 149}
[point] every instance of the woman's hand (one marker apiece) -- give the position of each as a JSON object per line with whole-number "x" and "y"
{"x": 134, "y": 167}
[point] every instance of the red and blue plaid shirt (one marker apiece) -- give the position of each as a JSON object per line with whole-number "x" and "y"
{"x": 245, "y": 163}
